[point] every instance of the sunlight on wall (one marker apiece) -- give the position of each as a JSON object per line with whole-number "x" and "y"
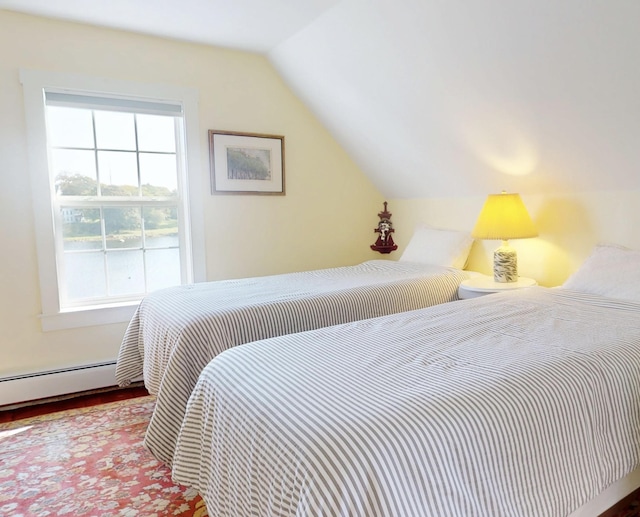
{"x": 569, "y": 227}
{"x": 498, "y": 139}
{"x": 517, "y": 158}
{"x": 547, "y": 263}
{"x": 537, "y": 259}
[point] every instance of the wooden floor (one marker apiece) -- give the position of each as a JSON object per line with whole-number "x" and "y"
{"x": 628, "y": 507}
{"x": 77, "y": 400}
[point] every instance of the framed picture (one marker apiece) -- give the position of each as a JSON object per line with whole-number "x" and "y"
{"x": 246, "y": 163}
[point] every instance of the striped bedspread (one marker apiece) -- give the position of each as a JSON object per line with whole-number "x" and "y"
{"x": 177, "y": 331}
{"x": 515, "y": 404}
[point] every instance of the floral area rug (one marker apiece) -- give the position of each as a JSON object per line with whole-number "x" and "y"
{"x": 88, "y": 462}
{"x": 91, "y": 462}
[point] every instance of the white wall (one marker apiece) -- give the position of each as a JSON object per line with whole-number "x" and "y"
{"x": 569, "y": 225}
{"x": 442, "y": 99}
{"x": 325, "y": 219}
{"x": 442, "y": 103}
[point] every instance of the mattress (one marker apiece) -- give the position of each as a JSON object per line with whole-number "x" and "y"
{"x": 176, "y": 332}
{"x": 524, "y": 403}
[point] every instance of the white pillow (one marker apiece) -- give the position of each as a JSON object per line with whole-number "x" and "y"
{"x": 610, "y": 270}
{"x": 437, "y": 247}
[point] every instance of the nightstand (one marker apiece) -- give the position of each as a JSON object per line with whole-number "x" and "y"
{"x": 483, "y": 284}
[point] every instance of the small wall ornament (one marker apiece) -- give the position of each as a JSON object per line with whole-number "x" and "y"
{"x": 384, "y": 243}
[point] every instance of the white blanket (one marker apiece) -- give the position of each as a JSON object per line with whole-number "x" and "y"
{"x": 176, "y": 332}
{"x": 516, "y": 404}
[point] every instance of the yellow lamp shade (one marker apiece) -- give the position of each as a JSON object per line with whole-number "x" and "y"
{"x": 504, "y": 217}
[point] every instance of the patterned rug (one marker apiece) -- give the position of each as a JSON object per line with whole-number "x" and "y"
{"x": 91, "y": 462}
{"x": 88, "y": 462}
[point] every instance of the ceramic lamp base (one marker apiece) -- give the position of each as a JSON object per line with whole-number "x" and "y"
{"x": 505, "y": 264}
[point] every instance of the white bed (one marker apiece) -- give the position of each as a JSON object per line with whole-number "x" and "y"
{"x": 176, "y": 332}
{"x": 524, "y": 403}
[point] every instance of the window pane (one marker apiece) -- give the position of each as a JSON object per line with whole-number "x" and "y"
{"x": 158, "y": 174}
{"x": 84, "y": 275}
{"x": 81, "y": 228}
{"x": 74, "y": 172}
{"x": 156, "y": 133}
{"x": 69, "y": 127}
{"x": 115, "y": 130}
{"x": 112, "y": 246}
{"x": 118, "y": 173}
{"x": 123, "y": 227}
{"x": 124, "y": 241}
{"x": 126, "y": 272}
{"x": 163, "y": 269}
{"x": 160, "y": 227}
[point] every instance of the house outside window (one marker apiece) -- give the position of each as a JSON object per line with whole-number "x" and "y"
{"x": 116, "y": 170}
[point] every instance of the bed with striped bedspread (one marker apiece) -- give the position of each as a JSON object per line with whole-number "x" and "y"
{"x": 177, "y": 331}
{"x": 516, "y": 404}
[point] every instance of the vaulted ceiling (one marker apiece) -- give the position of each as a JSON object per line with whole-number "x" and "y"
{"x": 436, "y": 98}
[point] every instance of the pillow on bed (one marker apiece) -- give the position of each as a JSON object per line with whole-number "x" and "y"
{"x": 610, "y": 270}
{"x": 438, "y": 247}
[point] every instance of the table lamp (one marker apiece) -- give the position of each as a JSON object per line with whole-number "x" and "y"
{"x": 504, "y": 217}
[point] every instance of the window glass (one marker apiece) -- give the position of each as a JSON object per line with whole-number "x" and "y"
{"x": 160, "y": 227}
{"x": 70, "y": 127}
{"x": 123, "y": 227}
{"x": 158, "y": 174}
{"x": 156, "y": 133}
{"x": 115, "y": 130}
{"x": 117, "y": 244}
{"x": 163, "y": 268}
{"x": 81, "y": 228}
{"x": 74, "y": 172}
{"x": 84, "y": 276}
{"x": 118, "y": 173}
{"x": 109, "y": 238}
{"x": 125, "y": 270}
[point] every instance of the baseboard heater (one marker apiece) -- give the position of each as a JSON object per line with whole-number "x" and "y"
{"x": 53, "y": 383}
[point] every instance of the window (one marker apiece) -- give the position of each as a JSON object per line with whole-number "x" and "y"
{"x": 111, "y": 196}
{"x": 115, "y": 170}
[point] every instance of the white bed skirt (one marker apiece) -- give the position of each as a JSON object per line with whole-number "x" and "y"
{"x": 613, "y": 494}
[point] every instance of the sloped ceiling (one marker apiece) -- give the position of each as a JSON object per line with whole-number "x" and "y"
{"x": 252, "y": 25}
{"x": 437, "y": 98}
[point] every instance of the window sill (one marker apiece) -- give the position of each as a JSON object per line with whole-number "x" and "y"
{"x": 88, "y": 317}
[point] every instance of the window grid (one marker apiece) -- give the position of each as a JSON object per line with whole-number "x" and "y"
{"x": 102, "y": 202}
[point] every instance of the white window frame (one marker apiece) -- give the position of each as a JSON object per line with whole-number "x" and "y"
{"x": 34, "y": 83}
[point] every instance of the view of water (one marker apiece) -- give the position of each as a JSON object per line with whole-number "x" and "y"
{"x": 126, "y": 267}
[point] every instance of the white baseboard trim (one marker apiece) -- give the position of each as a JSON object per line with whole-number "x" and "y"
{"x": 23, "y": 388}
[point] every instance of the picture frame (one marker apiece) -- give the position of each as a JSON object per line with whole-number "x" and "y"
{"x": 246, "y": 163}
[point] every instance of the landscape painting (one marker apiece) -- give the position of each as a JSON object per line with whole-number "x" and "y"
{"x": 246, "y": 163}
